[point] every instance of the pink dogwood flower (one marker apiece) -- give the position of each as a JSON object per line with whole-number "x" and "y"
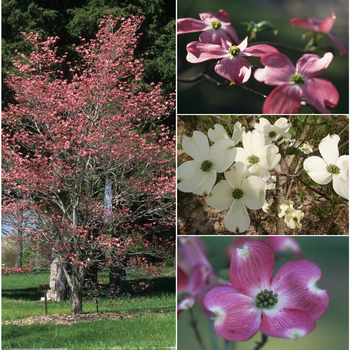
{"x": 286, "y": 307}
{"x": 320, "y": 26}
{"x": 233, "y": 65}
{"x": 295, "y": 83}
{"x": 215, "y": 27}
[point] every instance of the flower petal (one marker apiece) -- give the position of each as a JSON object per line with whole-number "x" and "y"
{"x": 296, "y": 285}
{"x": 222, "y": 155}
{"x": 320, "y": 93}
{"x": 278, "y": 69}
{"x": 302, "y": 23}
{"x": 196, "y": 146}
{"x": 310, "y": 64}
{"x": 341, "y": 47}
{"x": 220, "y": 197}
{"x": 233, "y": 314}
{"x": 199, "y": 51}
{"x": 252, "y": 267}
{"x": 217, "y": 133}
{"x": 214, "y": 36}
{"x": 199, "y": 278}
{"x": 329, "y": 149}
{"x": 236, "y": 69}
{"x": 327, "y": 24}
{"x": 242, "y": 156}
{"x": 285, "y": 323}
{"x": 269, "y": 156}
{"x": 235, "y": 177}
{"x": 253, "y": 141}
{"x": 186, "y": 303}
{"x": 316, "y": 168}
{"x": 259, "y": 50}
{"x": 237, "y": 218}
{"x": 341, "y": 181}
{"x": 258, "y": 170}
{"x": 284, "y": 99}
{"x": 254, "y": 192}
{"x": 182, "y": 280}
{"x": 190, "y": 25}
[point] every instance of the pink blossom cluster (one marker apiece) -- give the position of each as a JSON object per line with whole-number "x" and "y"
{"x": 219, "y": 41}
{"x": 284, "y": 306}
{"x": 21, "y": 270}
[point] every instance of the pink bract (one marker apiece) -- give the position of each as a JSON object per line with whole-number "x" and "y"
{"x": 209, "y": 21}
{"x": 295, "y": 83}
{"x": 320, "y": 26}
{"x": 233, "y": 66}
{"x": 286, "y": 307}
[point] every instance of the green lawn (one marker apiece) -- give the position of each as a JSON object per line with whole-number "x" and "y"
{"x": 154, "y": 327}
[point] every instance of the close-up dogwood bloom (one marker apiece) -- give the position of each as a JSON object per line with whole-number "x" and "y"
{"x": 330, "y": 167}
{"x": 199, "y": 175}
{"x": 237, "y": 192}
{"x": 296, "y": 82}
{"x": 233, "y": 66}
{"x": 292, "y": 219}
{"x": 277, "y": 132}
{"x": 285, "y": 306}
{"x": 219, "y": 133}
{"x": 320, "y": 26}
{"x": 258, "y": 157}
{"x": 215, "y": 27}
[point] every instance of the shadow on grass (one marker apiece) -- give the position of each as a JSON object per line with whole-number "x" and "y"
{"x": 23, "y": 294}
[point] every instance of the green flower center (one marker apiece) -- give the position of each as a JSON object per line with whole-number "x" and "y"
{"x": 266, "y": 299}
{"x": 253, "y": 159}
{"x": 333, "y": 169}
{"x": 237, "y": 193}
{"x": 295, "y": 219}
{"x": 234, "y": 50}
{"x": 216, "y": 24}
{"x": 206, "y": 165}
{"x": 297, "y": 79}
{"x": 272, "y": 134}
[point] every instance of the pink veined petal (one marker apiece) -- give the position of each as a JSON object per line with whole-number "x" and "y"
{"x": 222, "y": 16}
{"x": 232, "y": 33}
{"x": 259, "y": 50}
{"x": 220, "y": 197}
{"x": 310, "y": 65}
{"x": 182, "y": 280}
{"x": 190, "y": 25}
{"x": 234, "y": 315}
{"x": 235, "y": 177}
{"x": 199, "y": 51}
{"x": 327, "y": 24}
{"x": 287, "y": 323}
{"x": 237, "y": 218}
{"x": 254, "y": 192}
{"x": 251, "y": 268}
{"x": 236, "y": 69}
{"x": 186, "y": 304}
{"x": 213, "y": 36}
{"x": 320, "y": 93}
{"x": 341, "y": 47}
{"x": 296, "y": 286}
{"x": 284, "y": 244}
{"x": 329, "y": 149}
{"x": 284, "y": 99}
{"x": 278, "y": 69}
{"x": 199, "y": 277}
{"x": 302, "y": 23}
{"x": 316, "y": 168}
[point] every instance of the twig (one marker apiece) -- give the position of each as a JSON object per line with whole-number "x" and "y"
{"x": 193, "y": 323}
{"x": 262, "y": 342}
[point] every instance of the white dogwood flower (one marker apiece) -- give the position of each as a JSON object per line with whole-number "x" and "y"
{"x": 292, "y": 220}
{"x": 237, "y": 192}
{"x": 306, "y": 148}
{"x": 277, "y": 132}
{"x": 199, "y": 175}
{"x": 330, "y": 167}
{"x": 219, "y": 133}
{"x": 258, "y": 157}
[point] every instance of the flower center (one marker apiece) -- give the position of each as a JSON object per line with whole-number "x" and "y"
{"x": 297, "y": 79}
{"x": 206, "y": 165}
{"x": 266, "y": 299}
{"x": 216, "y": 24}
{"x": 234, "y": 50}
{"x": 333, "y": 169}
{"x": 253, "y": 159}
{"x": 272, "y": 134}
{"x": 295, "y": 219}
{"x": 237, "y": 193}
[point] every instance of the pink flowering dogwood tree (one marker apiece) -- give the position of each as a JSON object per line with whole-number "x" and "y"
{"x": 80, "y": 154}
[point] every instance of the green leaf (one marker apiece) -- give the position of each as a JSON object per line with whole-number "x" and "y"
{"x": 291, "y": 150}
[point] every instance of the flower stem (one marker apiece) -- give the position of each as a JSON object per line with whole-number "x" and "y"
{"x": 193, "y": 323}
{"x": 262, "y": 342}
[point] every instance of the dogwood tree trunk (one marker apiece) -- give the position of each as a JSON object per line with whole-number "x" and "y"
{"x": 59, "y": 289}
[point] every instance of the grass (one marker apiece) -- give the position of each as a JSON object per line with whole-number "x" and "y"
{"x": 20, "y": 299}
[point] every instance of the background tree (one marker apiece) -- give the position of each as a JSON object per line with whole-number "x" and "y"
{"x": 80, "y": 154}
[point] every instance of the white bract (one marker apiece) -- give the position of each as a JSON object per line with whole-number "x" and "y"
{"x": 258, "y": 157}
{"x": 330, "y": 167}
{"x": 237, "y": 192}
{"x": 219, "y": 133}
{"x": 286, "y": 208}
{"x": 267, "y": 205}
{"x": 306, "y": 148}
{"x": 199, "y": 175}
{"x": 292, "y": 220}
{"x": 277, "y": 132}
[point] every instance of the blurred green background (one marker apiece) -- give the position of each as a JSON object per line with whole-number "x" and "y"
{"x": 204, "y": 97}
{"x": 332, "y": 330}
